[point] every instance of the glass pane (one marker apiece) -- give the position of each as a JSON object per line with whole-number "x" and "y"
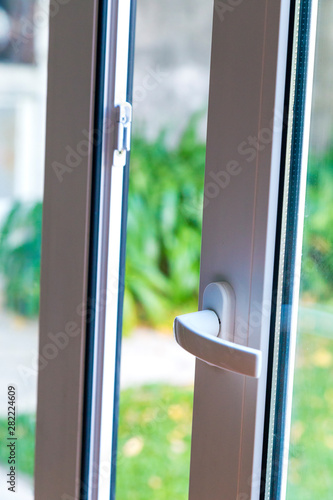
{"x": 300, "y": 456}
{"x": 170, "y": 97}
{"x": 23, "y": 75}
{"x": 310, "y": 470}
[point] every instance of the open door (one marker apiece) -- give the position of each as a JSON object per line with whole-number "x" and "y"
{"x": 244, "y": 144}
{"x": 256, "y": 159}
{"x": 260, "y": 89}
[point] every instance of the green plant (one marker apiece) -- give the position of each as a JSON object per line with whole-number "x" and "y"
{"x": 317, "y": 263}
{"x": 163, "y": 237}
{"x": 20, "y": 248}
{"x": 164, "y": 233}
{"x": 164, "y": 229}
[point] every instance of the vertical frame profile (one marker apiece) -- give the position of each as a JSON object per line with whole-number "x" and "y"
{"x": 65, "y": 249}
{"x": 107, "y": 257}
{"x": 289, "y": 250}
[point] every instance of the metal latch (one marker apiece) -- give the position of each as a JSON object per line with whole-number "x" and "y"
{"x": 124, "y": 125}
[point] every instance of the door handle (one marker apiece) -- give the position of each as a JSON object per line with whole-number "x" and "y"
{"x": 208, "y": 334}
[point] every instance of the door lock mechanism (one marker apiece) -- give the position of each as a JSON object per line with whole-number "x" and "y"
{"x": 124, "y": 125}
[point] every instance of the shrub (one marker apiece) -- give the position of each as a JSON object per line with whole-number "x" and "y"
{"x": 20, "y": 248}
{"x": 164, "y": 233}
{"x": 163, "y": 236}
{"x": 164, "y": 229}
{"x": 317, "y": 261}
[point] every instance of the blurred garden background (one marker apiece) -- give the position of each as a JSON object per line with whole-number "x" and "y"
{"x": 163, "y": 249}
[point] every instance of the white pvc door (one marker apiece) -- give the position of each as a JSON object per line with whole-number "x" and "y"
{"x": 249, "y": 72}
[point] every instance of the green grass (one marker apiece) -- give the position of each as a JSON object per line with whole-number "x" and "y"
{"x": 154, "y": 443}
{"x": 310, "y": 474}
{"x": 153, "y": 448}
{"x": 155, "y": 434}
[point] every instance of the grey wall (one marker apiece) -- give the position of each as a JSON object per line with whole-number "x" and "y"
{"x": 173, "y": 38}
{"x": 322, "y": 119}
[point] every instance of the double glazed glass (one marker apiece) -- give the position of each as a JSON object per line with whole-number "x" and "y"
{"x": 300, "y": 448}
{"x": 311, "y": 434}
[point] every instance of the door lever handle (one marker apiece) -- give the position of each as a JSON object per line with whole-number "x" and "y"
{"x": 208, "y": 334}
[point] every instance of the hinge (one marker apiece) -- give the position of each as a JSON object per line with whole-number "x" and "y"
{"x": 124, "y": 125}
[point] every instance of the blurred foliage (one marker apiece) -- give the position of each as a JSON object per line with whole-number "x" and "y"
{"x": 154, "y": 435}
{"x": 163, "y": 237}
{"x": 317, "y": 260}
{"x": 311, "y": 442}
{"x": 20, "y": 249}
{"x": 164, "y": 229}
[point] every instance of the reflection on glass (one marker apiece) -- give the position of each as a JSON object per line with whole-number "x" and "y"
{"x": 163, "y": 246}
{"x": 311, "y": 443}
{"x": 23, "y": 54}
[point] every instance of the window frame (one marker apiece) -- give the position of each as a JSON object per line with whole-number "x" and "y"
{"x": 65, "y": 248}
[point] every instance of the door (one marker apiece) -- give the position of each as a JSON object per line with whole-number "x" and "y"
{"x": 244, "y": 144}
{"x": 257, "y": 143}
{"x": 259, "y": 50}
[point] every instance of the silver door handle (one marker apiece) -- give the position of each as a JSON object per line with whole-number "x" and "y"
{"x": 208, "y": 334}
